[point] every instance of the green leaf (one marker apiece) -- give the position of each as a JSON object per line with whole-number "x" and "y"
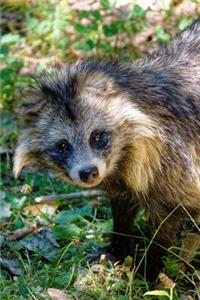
{"x": 110, "y": 30}
{"x": 9, "y": 39}
{"x": 120, "y": 285}
{"x": 65, "y": 232}
{"x": 85, "y": 29}
{"x": 134, "y": 26}
{"x": 16, "y": 64}
{"x": 119, "y": 24}
{"x": 6, "y": 74}
{"x": 90, "y": 44}
{"x": 171, "y": 266}
{"x": 161, "y": 293}
{"x": 106, "y": 226}
{"x": 80, "y": 28}
{"x": 18, "y": 203}
{"x": 5, "y": 210}
{"x": 185, "y": 22}
{"x": 161, "y": 35}
{"x": 96, "y": 14}
{"x": 84, "y": 14}
{"x": 67, "y": 216}
{"x": 32, "y": 23}
{"x": 4, "y": 51}
{"x": 105, "y": 4}
{"x": 63, "y": 43}
{"x": 44, "y": 27}
{"x": 105, "y": 46}
{"x": 138, "y": 11}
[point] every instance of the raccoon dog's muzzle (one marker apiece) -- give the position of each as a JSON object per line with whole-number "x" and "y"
{"x": 88, "y": 174}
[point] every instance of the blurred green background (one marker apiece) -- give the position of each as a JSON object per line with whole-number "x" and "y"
{"x": 37, "y": 33}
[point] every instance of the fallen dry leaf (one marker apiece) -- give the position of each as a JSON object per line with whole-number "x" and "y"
{"x": 186, "y": 297}
{"x": 44, "y": 208}
{"x": 97, "y": 268}
{"x": 56, "y": 294}
{"x": 26, "y": 189}
{"x": 166, "y": 281}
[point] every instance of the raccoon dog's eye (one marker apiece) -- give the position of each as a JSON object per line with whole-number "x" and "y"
{"x": 63, "y": 146}
{"x": 100, "y": 139}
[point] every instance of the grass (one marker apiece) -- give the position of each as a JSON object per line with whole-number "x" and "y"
{"x": 80, "y": 229}
{"x": 69, "y": 232}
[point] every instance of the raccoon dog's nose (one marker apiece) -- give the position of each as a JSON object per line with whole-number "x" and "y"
{"x": 89, "y": 174}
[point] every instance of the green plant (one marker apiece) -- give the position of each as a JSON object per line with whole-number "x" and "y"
{"x": 10, "y": 80}
{"x": 161, "y": 293}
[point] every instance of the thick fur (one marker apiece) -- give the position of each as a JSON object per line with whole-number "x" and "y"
{"x": 151, "y": 107}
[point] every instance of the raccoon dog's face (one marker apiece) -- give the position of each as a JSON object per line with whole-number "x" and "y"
{"x": 72, "y": 126}
{"x": 80, "y": 123}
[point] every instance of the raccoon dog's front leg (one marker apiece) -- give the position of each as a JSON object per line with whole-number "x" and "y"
{"x": 162, "y": 234}
{"x": 124, "y": 211}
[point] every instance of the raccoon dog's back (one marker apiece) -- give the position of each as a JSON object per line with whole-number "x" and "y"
{"x": 133, "y": 129}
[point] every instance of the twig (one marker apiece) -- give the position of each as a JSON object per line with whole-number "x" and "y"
{"x": 82, "y": 194}
{"x": 20, "y": 233}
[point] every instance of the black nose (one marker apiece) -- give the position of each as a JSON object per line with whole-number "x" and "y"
{"x": 88, "y": 174}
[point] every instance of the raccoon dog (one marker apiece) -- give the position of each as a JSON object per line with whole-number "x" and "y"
{"x": 132, "y": 129}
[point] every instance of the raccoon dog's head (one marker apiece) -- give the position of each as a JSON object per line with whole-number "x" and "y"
{"x": 76, "y": 123}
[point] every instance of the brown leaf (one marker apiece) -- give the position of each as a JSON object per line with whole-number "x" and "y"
{"x": 186, "y": 297}
{"x": 26, "y": 189}
{"x": 166, "y": 281}
{"x": 37, "y": 209}
{"x": 97, "y": 268}
{"x": 56, "y": 294}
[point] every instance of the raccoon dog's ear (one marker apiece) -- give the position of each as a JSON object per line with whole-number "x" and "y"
{"x": 23, "y": 157}
{"x": 30, "y": 109}
{"x": 32, "y": 104}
